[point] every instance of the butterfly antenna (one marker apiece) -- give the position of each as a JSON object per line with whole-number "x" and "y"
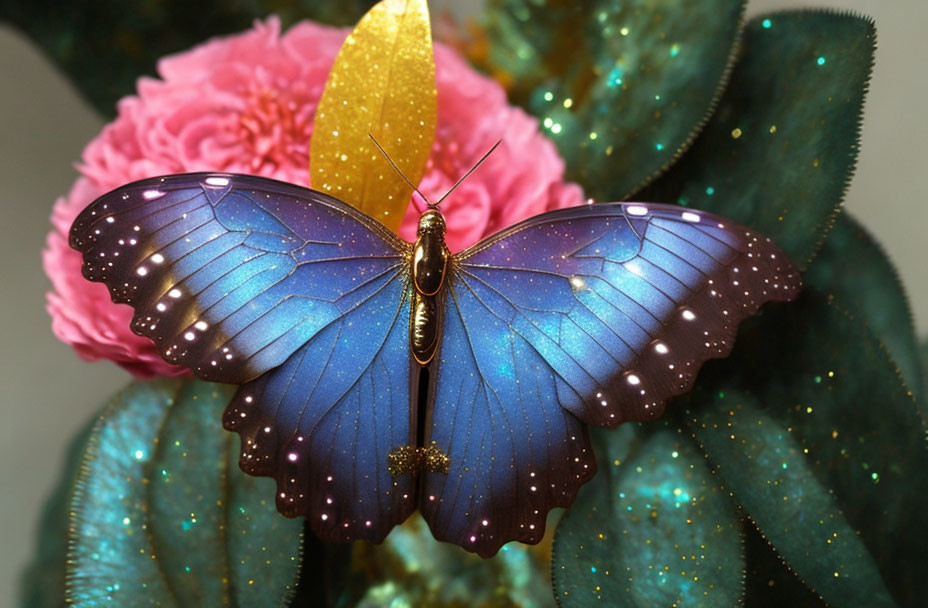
{"x": 466, "y": 175}
{"x": 400, "y": 172}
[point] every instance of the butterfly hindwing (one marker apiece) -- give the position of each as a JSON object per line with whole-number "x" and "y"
{"x": 514, "y": 452}
{"x": 594, "y": 314}
{"x": 231, "y": 274}
{"x": 324, "y": 422}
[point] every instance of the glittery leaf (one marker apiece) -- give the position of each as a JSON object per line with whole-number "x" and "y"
{"x": 923, "y": 350}
{"x": 768, "y": 581}
{"x": 653, "y": 528}
{"x": 764, "y": 467}
{"x": 411, "y": 568}
{"x": 323, "y": 573}
{"x": 855, "y": 270}
{"x": 779, "y": 151}
{"x": 825, "y": 377}
{"x": 43, "y": 582}
{"x": 382, "y": 84}
{"x": 620, "y": 86}
{"x": 161, "y": 515}
{"x": 104, "y": 46}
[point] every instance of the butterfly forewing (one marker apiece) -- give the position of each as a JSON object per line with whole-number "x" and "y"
{"x": 231, "y": 274}
{"x": 293, "y": 294}
{"x": 596, "y": 314}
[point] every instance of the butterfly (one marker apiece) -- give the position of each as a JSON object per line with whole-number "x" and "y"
{"x": 379, "y": 376}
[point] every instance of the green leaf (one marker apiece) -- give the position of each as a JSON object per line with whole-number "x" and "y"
{"x": 105, "y": 46}
{"x": 323, "y": 573}
{"x": 780, "y": 149}
{"x": 764, "y": 467}
{"x": 43, "y": 582}
{"x": 825, "y": 378}
{"x": 621, "y": 87}
{"x": 161, "y": 514}
{"x": 768, "y": 581}
{"x": 411, "y": 568}
{"x": 853, "y": 269}
{"x": 653, "y": 528}
{"x": 923, "y": 351}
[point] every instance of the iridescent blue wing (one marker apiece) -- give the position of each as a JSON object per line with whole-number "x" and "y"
{"x": 324, "y": 422}
{"x": 295, "y": 295}
{"x": 231, "y": 274}
{"x": 594, "y": 314}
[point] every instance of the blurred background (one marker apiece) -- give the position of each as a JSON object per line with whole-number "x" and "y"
{"x": 48, "y": 392}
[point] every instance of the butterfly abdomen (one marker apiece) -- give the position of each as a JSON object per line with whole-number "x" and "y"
{"x": 429, "y": 265}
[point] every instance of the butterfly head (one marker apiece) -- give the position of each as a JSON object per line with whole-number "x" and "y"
{"x": 431, "y": 222}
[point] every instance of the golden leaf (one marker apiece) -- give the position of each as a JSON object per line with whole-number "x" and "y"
{"x": 383, "y": 84}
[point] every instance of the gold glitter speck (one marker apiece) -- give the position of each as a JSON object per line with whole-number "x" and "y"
{"x": 408, "y": 458}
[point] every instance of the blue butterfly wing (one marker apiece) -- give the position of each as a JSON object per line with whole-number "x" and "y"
{"x": 291, "y": 293}
{"x": 594, "y": 314}
{"x": 324, "y": 422}
{"x": 230, "y": 274}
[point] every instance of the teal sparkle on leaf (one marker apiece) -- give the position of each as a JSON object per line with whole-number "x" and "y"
{"x": 623, "y": 65}
{"x": 851, "y": 258}
{"x": 614, "y": 79}
{"x": 133, "y": 527}
{"x": 820, "y": 61}
{"x": 802, "y": 502}
{"x": 776, "y": 82}
{"x": 681, "y": 530}
{"x": 767, "y": 24}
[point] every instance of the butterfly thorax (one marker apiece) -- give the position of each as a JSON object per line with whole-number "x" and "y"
{"x": 429, "y": 265}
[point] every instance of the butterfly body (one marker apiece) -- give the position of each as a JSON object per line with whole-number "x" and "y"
{"x": 429, "y": 266}
{"x": 328, "y": 321}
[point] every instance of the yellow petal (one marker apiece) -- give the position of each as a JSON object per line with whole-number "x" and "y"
{"x": 383, "y": 84}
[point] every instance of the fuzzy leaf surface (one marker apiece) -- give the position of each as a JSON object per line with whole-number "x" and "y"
{"x": 161, "y": 514}
{"x": 620, "y": 86}
{"x": 781, "y": 147}
{"x": 653, "y": 528}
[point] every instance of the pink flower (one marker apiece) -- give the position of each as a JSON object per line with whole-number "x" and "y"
{"x": 245, "y": 104}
